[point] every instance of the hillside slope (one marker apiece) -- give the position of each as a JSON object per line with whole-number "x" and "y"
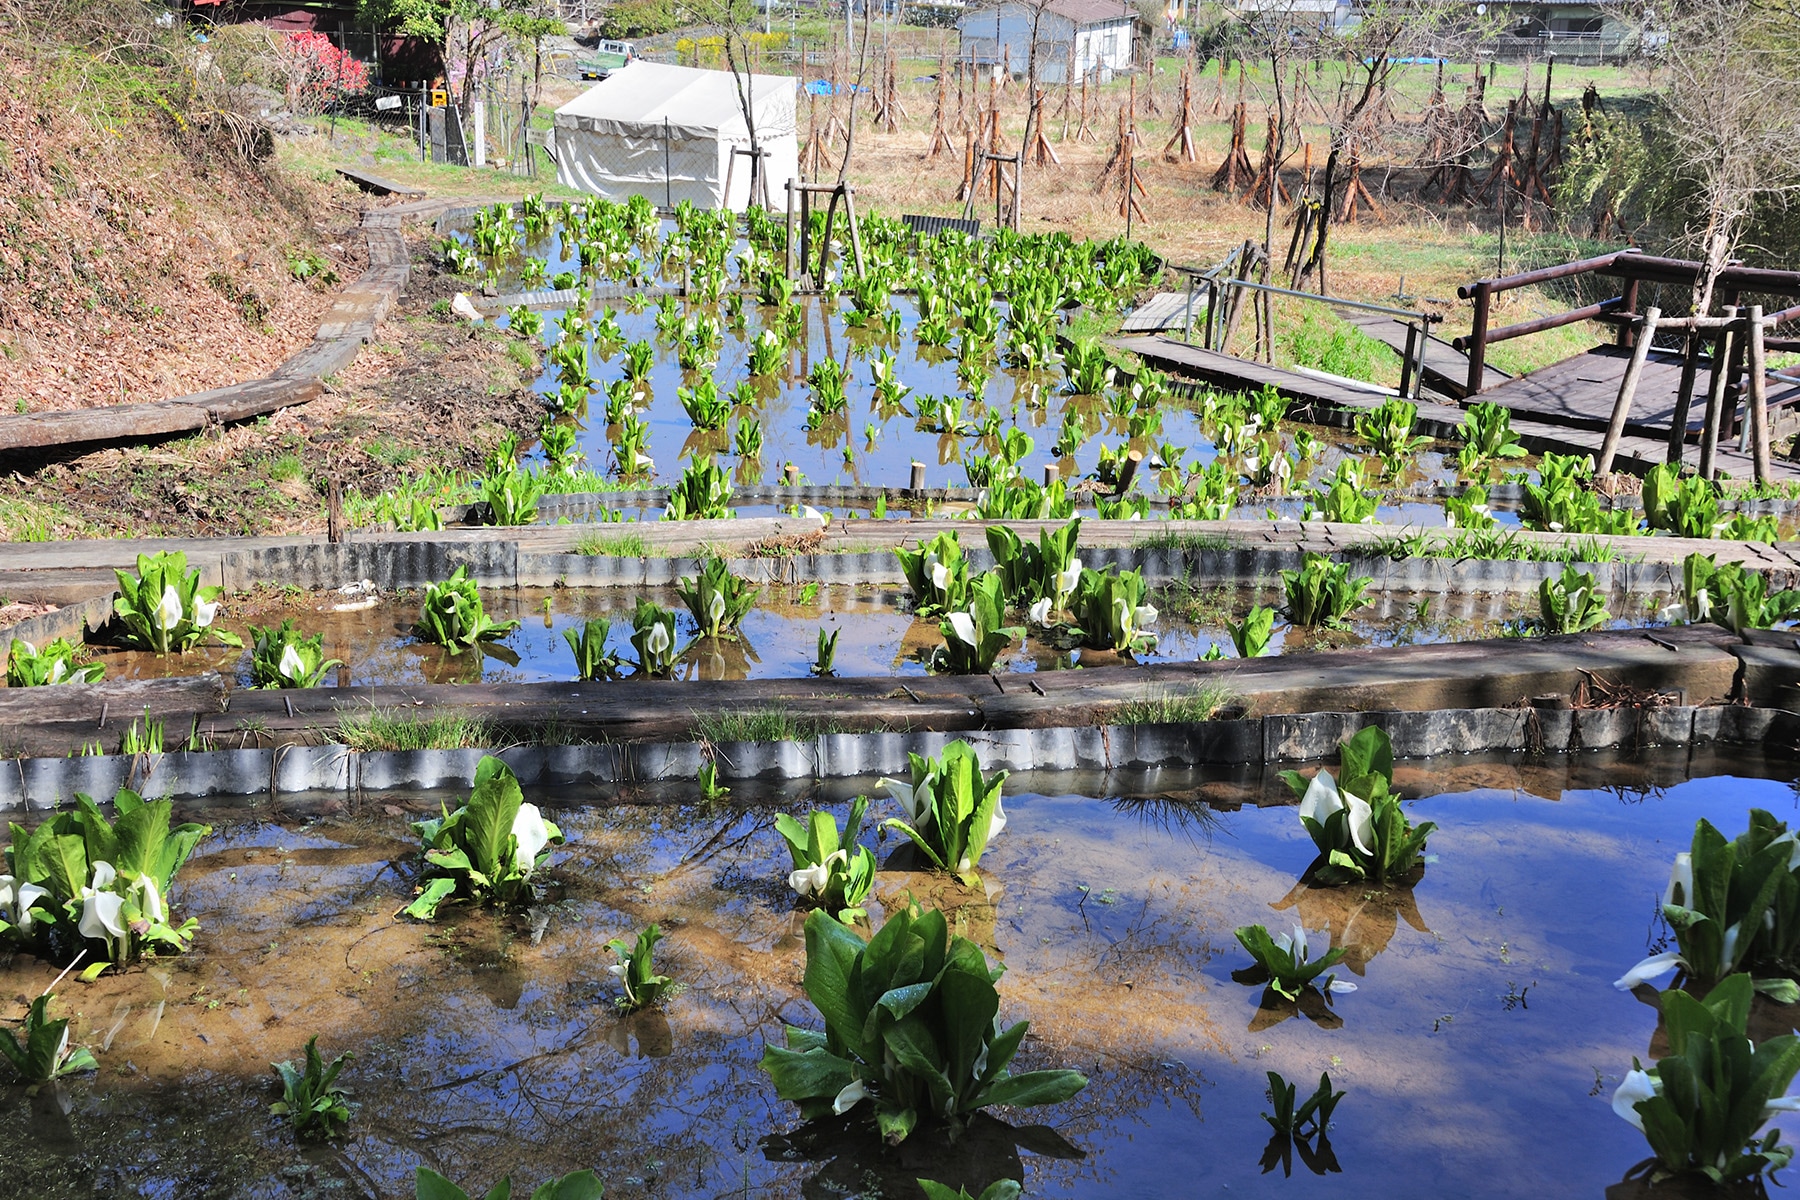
{"x": 142, "y": 255}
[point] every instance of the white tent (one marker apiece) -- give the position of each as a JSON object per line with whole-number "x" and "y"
{"x": 668, "y": 133}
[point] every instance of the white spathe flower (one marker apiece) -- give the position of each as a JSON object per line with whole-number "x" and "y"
{"x": 1039, "y": 613}
{"x": 1634, "y": 1089}
{"x": 963, "y": 624}
{"x": 811, "y": 881}
{"x": 1673, "y": 614}
{"x": 658, "y": 639}
{"x": 715, "y": 608}
{"x": 1324, "y": 798}
{"x": 204, "y": 612}
{"x": 168, "y": 611}
{"x": 291, "y": 665}
{"x": 1293, "y": 944}
{"x": 58, "y": 669}
{"x": 530, "y": 837}
{"x": 16, "y": 899}
{"x": 853, "y": 1094}
{"x": 940, "y": 576}
{"x": 917, "y": 811}
{"x": 812, "y": 514}
{"x": 1069, "y": 578}
{"x": 1781, "y": 1104}
{"x": 102, "y": 914}
{"x": 1681, "y": 876}
{"x": 1334, "y": 984}
{"x": 618, "y": 969}
{"x": 1145, "y": 616}
{"x": 1651, "y": 968}
{"x": 152, "y": 906}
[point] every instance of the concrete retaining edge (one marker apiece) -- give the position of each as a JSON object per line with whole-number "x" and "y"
{"x": 46, "y": 783}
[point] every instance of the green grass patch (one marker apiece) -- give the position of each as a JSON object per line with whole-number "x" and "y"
{"x": 616, "y": 545}
{"x": 1178, "y": 706}
{"x": 1174, "y": 539}
{"x": 391, "y": 729}
{"x": 760, "y": 725}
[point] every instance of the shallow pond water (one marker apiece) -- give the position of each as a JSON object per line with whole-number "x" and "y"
{"x": 779, "y": 637}
{"x": 1478, "y": 1053}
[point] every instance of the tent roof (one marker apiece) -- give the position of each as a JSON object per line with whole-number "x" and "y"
{"x": 694, "y": 103}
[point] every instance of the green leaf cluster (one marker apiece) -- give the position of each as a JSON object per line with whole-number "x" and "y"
{"x": 636, "y": 971}
{"x": 1110, "y": 611}
{"x": 1735, "y": 905}
{"x": 283, "y": 657}
{"x": 1711, "y": 1092}
{"x": 452, "y": 615}
{"x": 1048, "y": 570}
{"x": 164, "y": 609}
{"x": 27, "y": 666}
{"x": 952, "y": 810}
{"x": 43, "y": 1053}
{"x": 1487, "y": 437}
{"x": 486, "y": 850}
{"x": 1388, "y": 429}
{"x": 937, "y": 573}
{"x": 79, "y": 879}
{"x": 1282, "y": 962}
{"x": 1734, "y": 596}
{"x": 717, "y": 598}
{"x": 703, "y": 493}
{"x": 1356, "y": 821}
{"x": 592, "y": 659}
{"x": 1322, "y": 592}
{"x": 653, "y": 637}
{"x": 310, "y": 1097}
{"x": 975, "y": 636}
{"x": 831, "y": 870}
{"x": 511, "y": 496}
{"x": 1569, "y": 603}
{"x": 911, "y": 1027}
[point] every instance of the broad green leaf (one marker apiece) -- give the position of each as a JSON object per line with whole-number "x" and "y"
{"x": 425, "y": 907}
{"x": 969, "y": 1006}
{"x": 831, "y": 955}
{"x": 493, "y": 805}
{"x": 1034, "y": 1087}
{"x": 429, "y": 1185}
{"x": 580, "y": 1185}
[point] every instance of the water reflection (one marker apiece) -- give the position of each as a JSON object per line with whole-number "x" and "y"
{"x": 1361, "y": 923}
{"x": 856, "y": 1162}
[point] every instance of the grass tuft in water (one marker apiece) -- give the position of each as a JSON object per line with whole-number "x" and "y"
{"x": 1176, "y": 540}
{"x": 390, "y": 729}
{"x": 1173, "y": 706}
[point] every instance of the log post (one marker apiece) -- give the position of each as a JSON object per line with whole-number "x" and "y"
{"x": 1640, "y": 351}
{"x": 1723, "y": 351}
{"x": 917, "y": 482}
{"x": 1484, "y": 293}
{"x": 1758, "y": 415}
{"x": 1684, "y": 396}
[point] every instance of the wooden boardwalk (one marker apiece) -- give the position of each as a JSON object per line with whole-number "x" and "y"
{"x": 1446, "y": 367}
{"x": 1332, "y": 403}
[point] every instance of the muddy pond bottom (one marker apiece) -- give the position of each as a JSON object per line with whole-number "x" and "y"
{"x": 1478, "y": 1052}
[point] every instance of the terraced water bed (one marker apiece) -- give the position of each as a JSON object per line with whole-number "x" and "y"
{"x": 1477, "y": 1056}
{"x": 779, "y": 637}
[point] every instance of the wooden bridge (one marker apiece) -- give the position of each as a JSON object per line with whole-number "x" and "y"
{"x": 1649, "y": 403}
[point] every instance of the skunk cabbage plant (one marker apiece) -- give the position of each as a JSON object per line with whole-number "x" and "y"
{"x": 912, "y": 1030}
{"x": 488, "y": 849}
{"x": 952, "y": 810}
{"x": 831, "y": 871}
{"x": 1734, "y": 906}
{"x": 1356, "y": 821}
{"x": 1703, "y": 1104}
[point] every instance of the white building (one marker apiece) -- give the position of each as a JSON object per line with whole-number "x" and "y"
{"x": 1096, "y": 37}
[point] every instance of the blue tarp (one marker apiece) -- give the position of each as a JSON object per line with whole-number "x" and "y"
{"x": 821, "y": 87}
